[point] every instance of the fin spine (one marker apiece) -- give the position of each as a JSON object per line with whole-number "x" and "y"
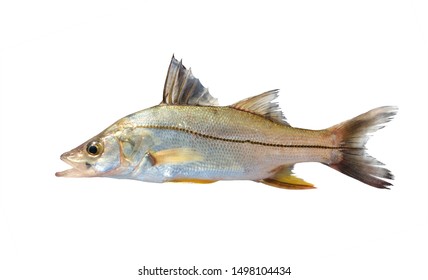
{"x": 182, "y": 88}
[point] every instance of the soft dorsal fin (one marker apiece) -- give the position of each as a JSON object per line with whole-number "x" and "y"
{"x": 182, "y": 88}
{"x": 262, "y": 105}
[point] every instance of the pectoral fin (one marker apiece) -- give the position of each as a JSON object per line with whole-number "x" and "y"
{"x": 175, "y": 156}
{"x": 285, "y": 179}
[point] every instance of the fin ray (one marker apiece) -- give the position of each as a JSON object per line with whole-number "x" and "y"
{"x": 352, "y": 159}
{"x": 285, "y": 179}
{"x": 175, "y": 156}
{"x": 264, "y": 106}
{"x": 182, "y": 88}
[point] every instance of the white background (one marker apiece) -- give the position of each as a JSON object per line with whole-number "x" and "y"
{"x": 68, "y": 70}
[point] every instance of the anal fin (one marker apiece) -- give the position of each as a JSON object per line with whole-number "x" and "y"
{"x": 285, "y": 179}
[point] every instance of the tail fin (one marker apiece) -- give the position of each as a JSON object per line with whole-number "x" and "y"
{"x": 352, "y": 136}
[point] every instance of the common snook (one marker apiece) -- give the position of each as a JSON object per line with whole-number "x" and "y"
{"x": 188, "y": 138}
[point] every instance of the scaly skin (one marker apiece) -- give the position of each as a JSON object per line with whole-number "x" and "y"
{"x": 233, "y": 144}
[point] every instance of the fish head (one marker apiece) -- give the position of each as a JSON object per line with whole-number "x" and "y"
{"x": 115, "y": 152}
{"x": 97, "y": 157}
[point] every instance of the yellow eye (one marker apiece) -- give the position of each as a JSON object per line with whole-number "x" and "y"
{"x": 94, "y": 148}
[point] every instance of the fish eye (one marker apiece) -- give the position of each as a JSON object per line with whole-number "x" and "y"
{"x": 94, "y": 148}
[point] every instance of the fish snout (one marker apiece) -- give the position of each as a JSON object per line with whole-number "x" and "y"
{"x": 64, "y": 156}
{"x": 76, "y": 161}
{"x": 74, "y": 157}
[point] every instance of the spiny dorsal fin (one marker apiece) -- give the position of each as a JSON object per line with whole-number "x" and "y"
{"x": 182, "y": 88}
{"x": 262, "y": 105}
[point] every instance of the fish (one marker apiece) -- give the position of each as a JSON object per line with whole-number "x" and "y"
{"x": 188, "y": 137}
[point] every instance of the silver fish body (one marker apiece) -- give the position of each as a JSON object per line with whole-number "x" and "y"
{"x": 187, "y": 138}
{"x": 229, "y": 144}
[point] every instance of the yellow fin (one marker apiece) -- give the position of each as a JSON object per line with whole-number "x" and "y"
{"x": 175, "y": 156}
{"x": 190, "y": 180}
{"x": 285, "y": 179}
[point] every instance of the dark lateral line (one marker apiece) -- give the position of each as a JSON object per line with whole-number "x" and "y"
{"x": 239, "y": 141}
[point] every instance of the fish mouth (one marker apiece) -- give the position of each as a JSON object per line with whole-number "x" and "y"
{"x": 74, "y": 171}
